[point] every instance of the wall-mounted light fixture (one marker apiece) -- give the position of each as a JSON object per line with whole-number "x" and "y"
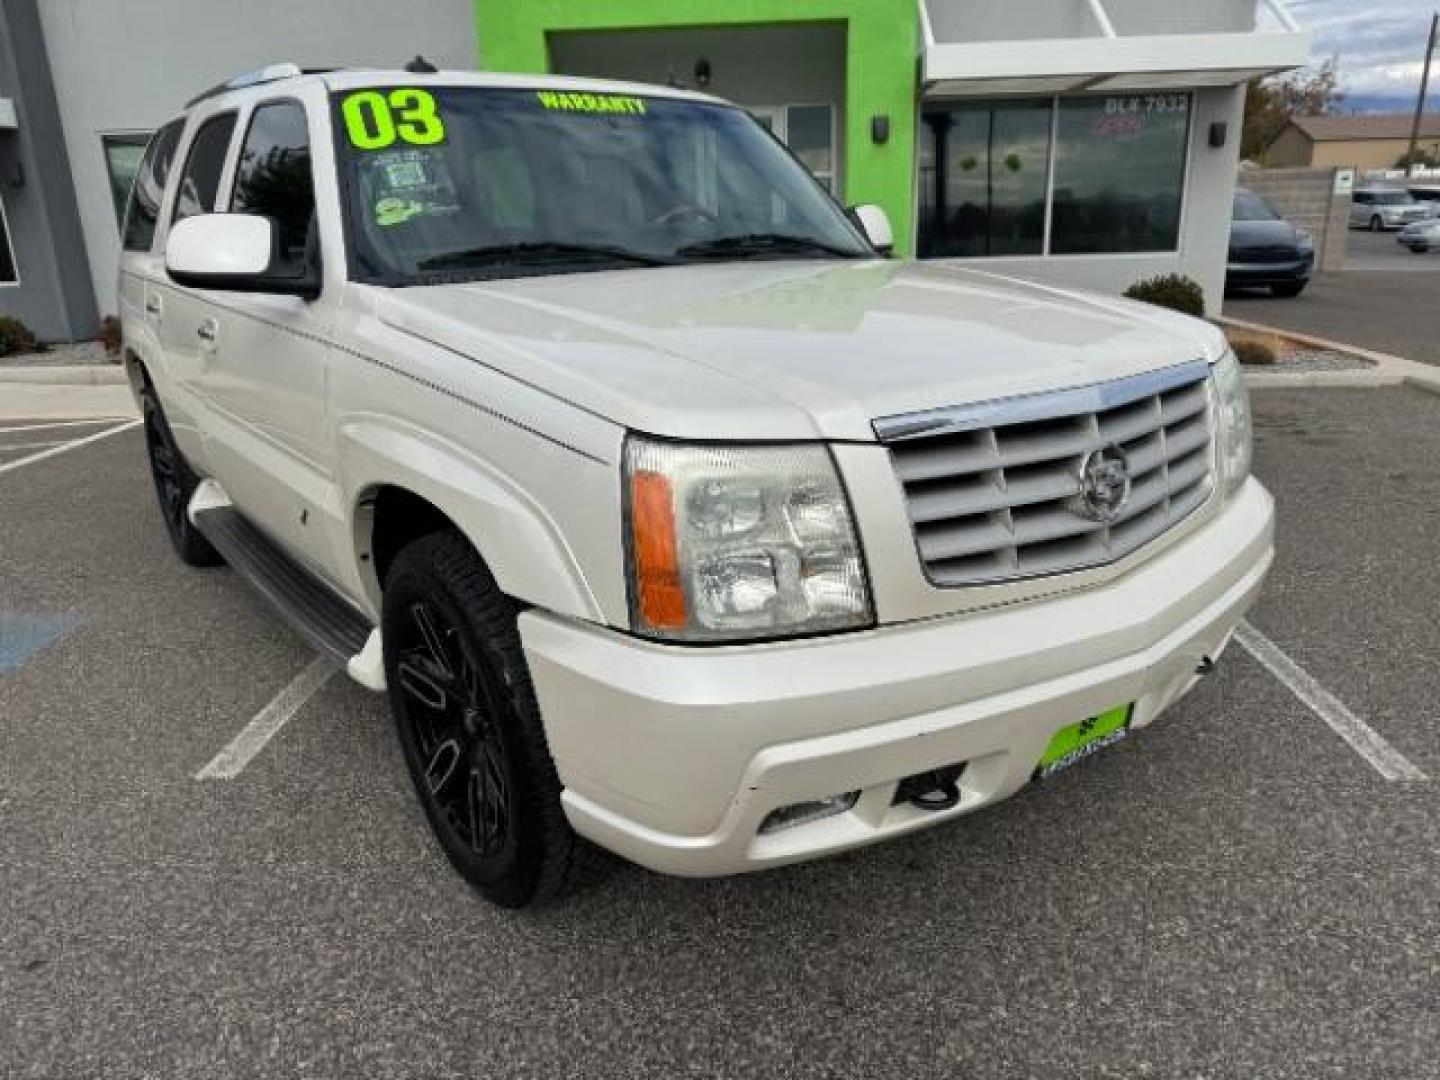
{"x": 702, "y": 72}
{"x": 880, "y": 129}
{"x": 1219, "y": 132}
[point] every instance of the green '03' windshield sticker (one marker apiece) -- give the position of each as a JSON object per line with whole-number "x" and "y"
{"x": 608, "y": 104}
{"x": 375, "y": 119}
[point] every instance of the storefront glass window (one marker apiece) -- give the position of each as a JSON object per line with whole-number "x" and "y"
{"x": 987, "y": 189}
{"x": 1120, "y": 173}
{"x": 7, "y": 253}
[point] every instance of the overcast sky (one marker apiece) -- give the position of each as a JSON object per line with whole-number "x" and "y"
{"x": 1381, "y": 43}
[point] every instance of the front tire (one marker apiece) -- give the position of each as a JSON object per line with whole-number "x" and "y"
{"x": 1377, "y": 223}
{"x": 175, "y": 483}
{"x": 470, "y": 728}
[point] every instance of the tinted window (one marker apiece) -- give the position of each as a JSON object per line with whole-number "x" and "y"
{"x": 983, "y": 171}
{"x": 1250, "y": 207}
{"x": 273, "y": 177}
{"x": 1120, "y": 173}
{"x": 149, "y": 187}
{"x": 200, "y": 182}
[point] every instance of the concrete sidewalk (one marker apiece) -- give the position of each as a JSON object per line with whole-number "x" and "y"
{"x": 80, "y": 392}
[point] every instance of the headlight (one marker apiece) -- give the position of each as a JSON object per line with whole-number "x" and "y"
{"x": 730, "y": 543}
{"x": 1304, "y": 241}
{"x": 1233, "y": 406}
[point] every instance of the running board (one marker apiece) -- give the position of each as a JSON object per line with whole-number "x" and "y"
{"x": 326, "y": 620}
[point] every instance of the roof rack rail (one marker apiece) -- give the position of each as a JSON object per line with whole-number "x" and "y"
{"x": 268, "y": 73}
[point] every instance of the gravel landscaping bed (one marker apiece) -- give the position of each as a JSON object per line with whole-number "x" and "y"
{"x": 1315, "y": 360}
{"x": 1286, "y": 355}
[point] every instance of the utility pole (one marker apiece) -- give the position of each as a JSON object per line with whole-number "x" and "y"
{"x": 1424, "y": 90}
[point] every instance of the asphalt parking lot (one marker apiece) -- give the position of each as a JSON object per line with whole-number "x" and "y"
{"x": 1384, "y": 300}
{"x": 1234, "y": 893}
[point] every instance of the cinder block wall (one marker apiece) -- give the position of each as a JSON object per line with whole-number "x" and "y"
{"x": 1307, "y": 198}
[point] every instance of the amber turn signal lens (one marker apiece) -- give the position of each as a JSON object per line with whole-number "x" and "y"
{"x": 661, "y": 596}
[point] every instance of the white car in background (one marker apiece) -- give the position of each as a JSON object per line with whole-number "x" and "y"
{"x": 1381, "y": 209}
{"x": 1420, "y": 236}
{"x": 673, "y": 516}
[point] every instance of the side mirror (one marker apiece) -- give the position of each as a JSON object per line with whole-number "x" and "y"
{"x": 235, "y": 253}
{"x": 875, "y": 224}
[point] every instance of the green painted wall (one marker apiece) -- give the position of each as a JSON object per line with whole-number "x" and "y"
{"x": 880, "y": 67}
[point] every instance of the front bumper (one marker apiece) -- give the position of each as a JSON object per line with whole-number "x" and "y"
{"x": 1243, "y": 273}
{"x": 673, "y": 756}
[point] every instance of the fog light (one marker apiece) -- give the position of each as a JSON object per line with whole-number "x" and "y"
{"x": 803, "y": 813}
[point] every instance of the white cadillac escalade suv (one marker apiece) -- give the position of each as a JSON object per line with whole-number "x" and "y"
{"x": 675, "y": 519}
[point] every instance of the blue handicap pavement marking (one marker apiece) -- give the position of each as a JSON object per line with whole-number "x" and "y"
{"x": 22, "y": 636}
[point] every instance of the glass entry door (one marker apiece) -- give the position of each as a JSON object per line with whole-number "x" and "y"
{"x": 809, "y": 132}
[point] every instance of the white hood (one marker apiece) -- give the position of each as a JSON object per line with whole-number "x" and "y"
{"x": 791, "y": 350}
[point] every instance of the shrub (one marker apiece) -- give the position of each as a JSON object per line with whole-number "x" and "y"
{"x": 110, "y": 335}
{"x": 1173, "y": 291}
{"x": 1255, "y": 353}
{"x": 16, "y": 337}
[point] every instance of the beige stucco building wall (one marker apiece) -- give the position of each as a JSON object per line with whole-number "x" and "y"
{"x": 1294, "y": 149}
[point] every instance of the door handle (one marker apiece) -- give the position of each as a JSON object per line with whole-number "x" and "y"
{"x": 208, "y": 331}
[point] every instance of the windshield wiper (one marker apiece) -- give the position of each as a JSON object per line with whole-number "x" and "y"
{"x": 539, "y": 250}
{"x": 759, "y": 243}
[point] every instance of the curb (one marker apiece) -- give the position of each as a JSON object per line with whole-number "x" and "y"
{"x": 1389, "y": 371}
{"x": 63, "y": 374}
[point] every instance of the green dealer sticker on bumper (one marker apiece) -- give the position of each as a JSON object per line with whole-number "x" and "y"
{"x": 1078, "y": 741}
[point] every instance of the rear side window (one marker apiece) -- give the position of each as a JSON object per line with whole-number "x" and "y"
{"x": 143, "y": 207}
{"x": 274, "y": 177}
{"x": 200, "y": 182}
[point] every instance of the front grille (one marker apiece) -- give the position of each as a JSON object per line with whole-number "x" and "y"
{"x": 1267, "y": 255}
{"x": 993, "y": 490}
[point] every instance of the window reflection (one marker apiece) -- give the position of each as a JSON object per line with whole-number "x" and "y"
{"x": 1120, "y": 173}
{"x": 985, "y": 189}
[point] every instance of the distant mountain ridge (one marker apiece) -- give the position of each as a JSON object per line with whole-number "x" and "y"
{"x": 1385, "y": 103}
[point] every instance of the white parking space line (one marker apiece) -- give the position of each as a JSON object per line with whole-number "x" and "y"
{"x": 230, "y": 762}
{"x": 1363, "y": 739}
{"x": 6, "y": 447}
{"x": 43, "y": 454}
{"x": 6, "y": 428}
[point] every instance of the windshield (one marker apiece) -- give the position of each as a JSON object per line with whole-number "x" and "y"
{"x": 450, "y": 184}
{"x": 1250, "y": 207}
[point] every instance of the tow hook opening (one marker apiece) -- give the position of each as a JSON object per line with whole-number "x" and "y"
{"x": 933, "y": 790}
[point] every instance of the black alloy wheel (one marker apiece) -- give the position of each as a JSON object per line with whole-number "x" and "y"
{"x": 175, "y": 482}
{"x": 470, "y": 728}
{"x": 452, "y": 732}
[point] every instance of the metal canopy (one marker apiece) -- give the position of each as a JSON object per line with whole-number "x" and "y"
{"x": 1102, "y": 58}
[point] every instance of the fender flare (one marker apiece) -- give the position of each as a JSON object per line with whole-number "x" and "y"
{"x": 520, "y": 543}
